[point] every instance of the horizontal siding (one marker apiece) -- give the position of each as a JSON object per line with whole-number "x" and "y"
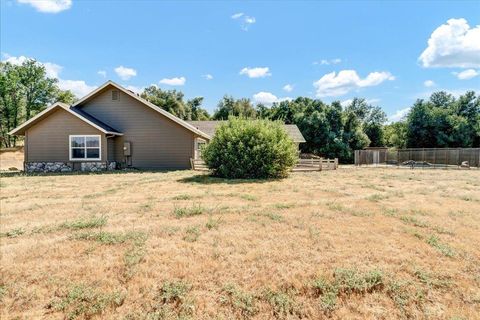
{"x": 156, "y": 141}
{"x": 48, "y": 140}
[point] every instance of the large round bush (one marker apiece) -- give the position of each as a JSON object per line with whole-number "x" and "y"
{"x": 250, "y": 149}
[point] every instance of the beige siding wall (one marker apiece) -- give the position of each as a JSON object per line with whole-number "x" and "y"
{"x": 156, "y": 142}
{"x": 111, "y": 149}
{"x": 48, "y": 140}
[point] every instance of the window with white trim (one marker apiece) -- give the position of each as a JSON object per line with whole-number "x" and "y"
{"x": 85, "y": 147}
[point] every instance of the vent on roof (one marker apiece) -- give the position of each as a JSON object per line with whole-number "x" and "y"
{"x": 115, "y": 95}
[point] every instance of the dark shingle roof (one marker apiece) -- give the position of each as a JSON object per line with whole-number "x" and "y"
{"x": 209, "y": 128}
{"x": 91, "y": 118}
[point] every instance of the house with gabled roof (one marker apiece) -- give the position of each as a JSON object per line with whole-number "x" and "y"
{"x": 111, "y": 128}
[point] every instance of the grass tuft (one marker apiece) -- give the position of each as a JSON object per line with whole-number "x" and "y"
{"x": 83, "y": 302}
{"x": 13, "y": 233}
{"x": 192, "y": 234}
{"x": 282, "y": 304}
{"x": 443, "y": 248}
{"x": 195, "y": 210}
{"x": 241, "y": 301}
{"x": 84, "y": 223}
{"x": 110, "y": 238}
{"x": 213, "y": 223}
{"x": 414, "y": 221}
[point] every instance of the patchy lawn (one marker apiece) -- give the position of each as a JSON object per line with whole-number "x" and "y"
{"x": 351, "y": 243}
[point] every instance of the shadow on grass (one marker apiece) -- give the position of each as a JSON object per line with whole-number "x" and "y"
{"x": 209, "y": 179}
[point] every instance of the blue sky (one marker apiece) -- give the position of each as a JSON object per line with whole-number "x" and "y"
{"x": 265, "y": 51}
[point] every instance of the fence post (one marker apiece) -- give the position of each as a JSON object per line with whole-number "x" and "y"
{"x": 458, "y": 157}
{"x": 336, "y": 164}
{"x": 192, "y": 164}
{"x": 320, "y": 165}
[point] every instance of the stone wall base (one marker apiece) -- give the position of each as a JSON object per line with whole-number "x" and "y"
{"x": 68, "y": 166}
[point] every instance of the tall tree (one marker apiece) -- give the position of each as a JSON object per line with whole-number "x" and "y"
{"x": 39, "y": 90}
{"x": 65, "y": 96}
{"x": 196, "y": 112}
{"x": 169, "y": 100}
{"x": 11, "y": 95}
{"x": 395, "y": 135}
{"x": 444, "y": 121}
{"x": 372, "y": 120}
{"x": 229, "y": 106}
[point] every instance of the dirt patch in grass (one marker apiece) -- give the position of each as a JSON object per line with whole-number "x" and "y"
{"x": 351, "y": 243}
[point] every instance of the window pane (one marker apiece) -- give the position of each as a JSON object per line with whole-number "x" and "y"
{"x": 78, "y": 142}
{"x": 93, "y": 153}
{"x": 93, "y": 142}
{"x": 78, "y": 153}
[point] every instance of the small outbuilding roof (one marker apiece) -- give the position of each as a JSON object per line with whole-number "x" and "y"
{"x": 210, "y": 126}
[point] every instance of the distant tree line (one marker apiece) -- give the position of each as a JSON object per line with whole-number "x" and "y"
{"x": 331, "y": 130}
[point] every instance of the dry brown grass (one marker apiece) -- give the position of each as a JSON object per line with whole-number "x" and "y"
{"x": 10, "y": 159}
{"x": 352, "y": 243}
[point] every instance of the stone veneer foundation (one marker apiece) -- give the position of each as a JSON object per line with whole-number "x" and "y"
{"x": 68, "y": 166}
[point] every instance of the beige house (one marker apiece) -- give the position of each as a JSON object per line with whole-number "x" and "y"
{"x": 110, "y": 128}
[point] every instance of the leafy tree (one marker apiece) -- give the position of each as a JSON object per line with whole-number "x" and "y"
{"x": 11, "y": 94}
{"x": 250, "y": 149}
{"x": 353, "y": 136}
{"x": 395, "y": 135}
{"x": 229, "y": 106}
{"x": 444, "y": 121}
{"x": 39, "y": 90}
{"x": 196, "y": 112}
{"x": 169, "y": 100}
{"x": 371, "y": 118}
{"x": 173, "y": 102}
{"x": 65, "y": 96}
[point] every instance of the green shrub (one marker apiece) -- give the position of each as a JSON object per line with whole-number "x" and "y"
{"x": 250, "y": 149}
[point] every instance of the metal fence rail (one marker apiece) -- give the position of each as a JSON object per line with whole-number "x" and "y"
{"x": 420, "y": 157}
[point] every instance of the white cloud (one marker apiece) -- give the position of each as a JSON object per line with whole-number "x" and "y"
{"x": 102, "y": 73}
{"x": 399, "y": 115}
{"x": 333, "y": 84}
{"x": 429, "y": 83}
{"x": 245, "y": 21}
{"x": 125, "y": 73}
{"x": 177, "y": 81}
{"x": 288, "y": 87}
{"x": 467, "y": 74}
{"x": 328, "y": 62}
{"x": 49, "y": 6}
{"x": 78, "y": 87}
{"x": 51, "y": 69}
{"x": 237, "y": 15}
{"x": 268, "y": 98}
{"x": 207, "y": 76}
{"x": 453, "y": 44}
{"x": 258, "y": 72}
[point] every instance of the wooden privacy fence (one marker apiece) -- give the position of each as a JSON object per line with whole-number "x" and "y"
{"x": 317, "y": 164}
{"x": 421, "y": 157}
